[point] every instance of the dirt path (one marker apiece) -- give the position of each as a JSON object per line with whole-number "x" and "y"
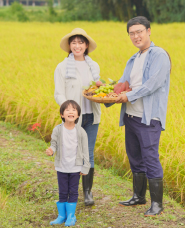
{"x": 32, "y": 190}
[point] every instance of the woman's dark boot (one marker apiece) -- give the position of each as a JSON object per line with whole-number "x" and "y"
{"x": 139, "y": 188}
{"x": 156, "y": 194}
{"x": 87, "y": 182}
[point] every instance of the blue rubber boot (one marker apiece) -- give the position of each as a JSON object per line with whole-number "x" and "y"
{"x": 61, "y": 214}
{"x": 71, "y": 218}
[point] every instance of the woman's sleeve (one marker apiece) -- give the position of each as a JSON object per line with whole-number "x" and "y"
{"x": 97, "y": 68}
{"x": 59, "y": 93}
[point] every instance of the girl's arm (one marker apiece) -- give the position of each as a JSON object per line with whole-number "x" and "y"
{"x": 54, "y": 138}
{"x": 86, "y": 166}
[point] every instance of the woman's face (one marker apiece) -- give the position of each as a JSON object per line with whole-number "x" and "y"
{"x": 78, "y": 47}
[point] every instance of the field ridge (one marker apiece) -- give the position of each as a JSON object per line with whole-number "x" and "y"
{"x": 28, "y": 191}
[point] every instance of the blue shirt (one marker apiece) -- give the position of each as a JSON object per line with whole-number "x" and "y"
{"x": 155, "y": 85}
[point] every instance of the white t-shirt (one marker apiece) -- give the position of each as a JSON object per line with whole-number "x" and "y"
{"x": 136, "y": 76}
{"x": 82, "y": 67}
{"x": 69, "y": 151}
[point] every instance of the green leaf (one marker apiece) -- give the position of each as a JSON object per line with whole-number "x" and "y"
{"x": 110, "y": 80}
{"x": 93, "y": 83}
{"x": 102, "y": 81}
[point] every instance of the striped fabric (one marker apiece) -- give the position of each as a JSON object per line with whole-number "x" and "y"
{"x": 71, "y": 71}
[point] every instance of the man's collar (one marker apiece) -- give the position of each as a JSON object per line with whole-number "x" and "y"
{"x": 151, "y": 45}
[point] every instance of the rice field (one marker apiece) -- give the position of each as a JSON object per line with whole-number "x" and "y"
{"x": 29, "y": 54}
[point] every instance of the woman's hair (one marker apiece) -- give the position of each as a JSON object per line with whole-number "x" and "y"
{"x": 140, "y": 20}
{"x": 82, "y": 39}
{"x": 74, "y": 105}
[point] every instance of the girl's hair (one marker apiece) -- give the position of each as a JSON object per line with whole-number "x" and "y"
{"x": 74, "y": 105}
{"x": 140, "y": 20}
{"x": 82, "y": 39}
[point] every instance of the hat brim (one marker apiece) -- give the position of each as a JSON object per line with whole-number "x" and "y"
{"x": 65, "y": 45}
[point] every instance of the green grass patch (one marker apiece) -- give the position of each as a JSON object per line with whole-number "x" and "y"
{"x": 29, "y": 191}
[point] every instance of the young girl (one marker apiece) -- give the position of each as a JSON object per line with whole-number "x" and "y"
{"x": 70, "y": 143}
{"x": 76, "y": 71}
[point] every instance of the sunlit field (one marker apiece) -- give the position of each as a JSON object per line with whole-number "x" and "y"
{"x": 29, "y": 54}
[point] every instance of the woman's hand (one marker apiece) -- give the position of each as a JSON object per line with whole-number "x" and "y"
{"x": 49, "y": 151}
{"x": 122, "y": 98}
{"x": 82, "y": 174}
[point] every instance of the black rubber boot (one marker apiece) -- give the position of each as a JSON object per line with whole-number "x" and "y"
{"x": 139, "y": 188}
{"x": 87, "y": 182}
{"x": 156, "y": 194}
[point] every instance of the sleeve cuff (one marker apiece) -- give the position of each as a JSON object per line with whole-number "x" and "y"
{"x": 131, "y": 97}
{"x": 85, "y": 170}
{"x": 53, "y": 149}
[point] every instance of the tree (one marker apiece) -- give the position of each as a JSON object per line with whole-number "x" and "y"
{"x": 163, "y": 11}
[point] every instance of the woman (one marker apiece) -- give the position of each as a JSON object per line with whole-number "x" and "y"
{"x": 76, "y": 71}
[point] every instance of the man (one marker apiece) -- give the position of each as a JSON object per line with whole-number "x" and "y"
{"x": 143, "y": 113}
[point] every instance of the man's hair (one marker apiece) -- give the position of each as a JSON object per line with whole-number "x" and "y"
{"x": 83, "y": 39}
{"x": 74, "y": 105}
{"x": 140, "y": 20}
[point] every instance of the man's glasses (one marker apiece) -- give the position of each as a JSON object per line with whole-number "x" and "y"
{"x": 132, "y": 34}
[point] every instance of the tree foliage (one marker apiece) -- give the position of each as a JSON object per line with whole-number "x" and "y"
{"x": 18, "y": 10}
{"x": 160, "y": 11}
{"x": 81, "y": 10}
{"x": 163, "y": 11}
{"x": 121, "y": 10}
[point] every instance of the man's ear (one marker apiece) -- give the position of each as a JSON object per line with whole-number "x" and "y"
{"x": 149, "y": 31}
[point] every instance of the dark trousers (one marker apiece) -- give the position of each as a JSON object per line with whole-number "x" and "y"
{"x": 68, "y": 186}
{"x": 142, "y": 144}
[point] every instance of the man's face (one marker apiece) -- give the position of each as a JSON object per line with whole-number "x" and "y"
{"x": 140, "y": 36}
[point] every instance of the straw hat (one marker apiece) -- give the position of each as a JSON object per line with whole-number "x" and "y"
{"x": 77, "y": 31}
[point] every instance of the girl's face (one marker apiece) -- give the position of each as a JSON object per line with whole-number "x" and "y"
{"x": 78, "y": 47}
{"x": 70, "y": 114}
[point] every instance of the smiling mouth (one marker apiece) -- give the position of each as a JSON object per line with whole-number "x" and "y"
{"x": 70, "y": 116}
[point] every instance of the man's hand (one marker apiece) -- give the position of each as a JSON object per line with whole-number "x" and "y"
{"x": 49, "y": 151}
{"x": 122, "y": 98}
{"x": 82, "y": 174}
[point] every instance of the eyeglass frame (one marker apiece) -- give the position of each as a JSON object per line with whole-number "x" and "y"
{"x": 139, "y": 32}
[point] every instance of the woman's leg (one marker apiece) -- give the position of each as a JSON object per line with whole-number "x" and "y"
{"x": 87, "y": 181}
{"x": 91, "y": 130}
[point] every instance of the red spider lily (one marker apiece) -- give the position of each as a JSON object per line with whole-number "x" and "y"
{"x": 35, "y": 126}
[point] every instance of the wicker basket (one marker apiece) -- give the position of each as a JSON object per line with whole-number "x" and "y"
{"x": 99, "y": 99}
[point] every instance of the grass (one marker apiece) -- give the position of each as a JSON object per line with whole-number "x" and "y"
{"x": 29, "y": 191}
{"x": 29, "y": 55}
